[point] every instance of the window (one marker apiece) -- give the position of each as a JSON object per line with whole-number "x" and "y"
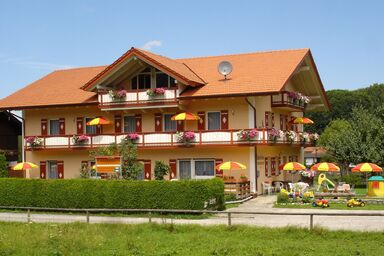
{"x": 196, "y": 169}
{"x": 204, "y": 168}
{"x": 90, "y": 129}
{"x": 52, "y": 170}
{"x": 184, "y": 169}
{"x": 54, "y": 127}
{"x": 169, "y": 125}
{"x": 129, "y": 124}
{"x": 164, "y": 80}
{"x": 142, "y": 80}
{"x": 213, "y": 120}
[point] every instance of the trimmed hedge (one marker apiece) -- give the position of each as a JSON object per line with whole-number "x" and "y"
{"x": 88, "y": 193}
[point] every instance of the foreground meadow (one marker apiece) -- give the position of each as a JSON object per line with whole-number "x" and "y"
{"x": 168, "y": 239}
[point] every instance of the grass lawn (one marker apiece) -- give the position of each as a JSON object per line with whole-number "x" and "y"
{"x": 155, "y": 239}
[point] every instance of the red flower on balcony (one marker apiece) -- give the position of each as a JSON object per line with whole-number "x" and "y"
{"x": 247, "y": 135}
{"x": 80, "y": 139}
{"x": 34, "y": 141}
{"x": 156, "y": 91}
{"x": 185, "y": 137}
{"x": 132, "y": 136}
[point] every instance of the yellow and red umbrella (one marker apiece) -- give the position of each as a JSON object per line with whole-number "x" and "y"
{"x": 302, "y": 120}
{"x": 229, "y": 166}
{"x": 367, "y": 167}
{"x": 99, "y": 121}
{"x": 24, "y": 166}
{"x": 292, "y": 166}
{"x": 185, "y": 116}
{"x": 325, "y": 167}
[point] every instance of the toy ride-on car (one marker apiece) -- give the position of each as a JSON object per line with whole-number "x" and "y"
{"x": 355, "y": 202}
{"x": 323, "y": 203}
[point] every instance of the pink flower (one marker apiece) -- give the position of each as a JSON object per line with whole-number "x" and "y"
{"x": 132, "y": 136}
{"x": 253, "y": 133}
{"x": 159, "y": 90}
{"x": 189, "y": 135}
{"x": 121, "y": 93}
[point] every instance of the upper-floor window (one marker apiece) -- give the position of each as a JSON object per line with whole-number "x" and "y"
{"x": 129, "y": 124}
{"x": 90, "y": 129}
{"x": 214, "y": 122}
{"x": 169, "y": 125}
{"x": 163, "y": 80}
{"x": 144, "y": 80}
{"x": 54, "y": 127}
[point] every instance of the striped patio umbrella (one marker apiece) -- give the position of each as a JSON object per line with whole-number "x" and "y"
{"x": 367, "y": 167}
{"x": 229, "y": 166}
{"x": 292, "y": 166}
{"x": 325, "y": 167}
{"x": 185, "y": 116}
{"x": 302, "y": 120}
{"x": 24, "y": 166}
{"x": 99, "y": 121}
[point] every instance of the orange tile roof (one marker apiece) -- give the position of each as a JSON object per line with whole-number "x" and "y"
{"x": 60, "y": 87}
{"x": 259, "y": 72}
{"x": 253, "y": 73}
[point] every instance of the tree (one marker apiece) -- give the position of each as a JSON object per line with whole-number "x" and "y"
{"x": 161, "y": 169}
{"x": 3, "y": 165}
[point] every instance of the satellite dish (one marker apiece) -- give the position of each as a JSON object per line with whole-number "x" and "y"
{"x": 225, "y": 68}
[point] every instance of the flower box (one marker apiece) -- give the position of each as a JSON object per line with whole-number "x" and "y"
{"x": 117, "y": 95}
{"x": 155, "y": 92}
{"x": 185, "y": 137}
{"x": 132, "y": 137}
{"x": 34, "y": 141}
{"x": 247, "y": 135}
{"x": 80, "y": 139}
{"x": 274, "y": 134}
{"x": 291, "y": 136}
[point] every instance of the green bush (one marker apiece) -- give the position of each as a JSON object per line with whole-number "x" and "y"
{"x": 90, "y": 193}
{"x": 282, "y": 198}
{"x": 161, "y": 169}
{"x": 3, "y": 165}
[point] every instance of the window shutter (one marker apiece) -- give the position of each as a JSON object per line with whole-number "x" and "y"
{"x": 43, "y": 170}
{"x": 266, "y": 119}
{"x": 158, "y": 122}
{"x": 173, "y": 172}
{"x": 147, "y": 169}
{"x": 138, "y": 122}
{"x": 219, "y": 173}
{"x": 281, "y": 122}
{"x": 273, "y": 119}
{"x": 44, "y": 127}
{"x": 80, "y": 125}
{"x": 292, "y": 126}
{"x": 266, "y": 167}
{"x": 201, "y": 122}
{"x": 278, "y": 165}
{"x": 224, "y": 119}
{"x": 99, "y": 129}
{"x": 118, "y": 124}
{"x": 61, "y": 126}
{"x": 273, "y": 166}
{"x": 60, "y": 169}
{"x": 286, "y": 123}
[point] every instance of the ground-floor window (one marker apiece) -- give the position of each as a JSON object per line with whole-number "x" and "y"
{"x": 52, "y": 170}
{"x": 196, "y": 168}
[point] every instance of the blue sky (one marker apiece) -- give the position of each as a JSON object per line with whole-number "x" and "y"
{"x": 37, "y": 37}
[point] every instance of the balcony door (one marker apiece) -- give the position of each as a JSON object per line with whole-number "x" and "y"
{"x": 53, "y": 170}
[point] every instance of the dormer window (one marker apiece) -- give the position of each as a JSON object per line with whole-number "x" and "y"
{"x": 152, "y": 78}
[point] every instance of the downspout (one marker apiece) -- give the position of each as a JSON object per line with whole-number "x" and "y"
{"x": 22, "y": 133}
{"x": 255, "y": 147}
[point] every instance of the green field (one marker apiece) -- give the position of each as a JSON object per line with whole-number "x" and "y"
{"x": 154, "y": 239}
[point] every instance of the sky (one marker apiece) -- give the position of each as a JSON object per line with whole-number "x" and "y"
{"x": 36, "y": 37}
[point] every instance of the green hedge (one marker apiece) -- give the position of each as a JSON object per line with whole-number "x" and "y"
{"x": 88, "y": 193}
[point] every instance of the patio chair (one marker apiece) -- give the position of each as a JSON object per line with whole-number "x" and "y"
{"x": 268, "y": 188}
{"x": 278, "y": 186}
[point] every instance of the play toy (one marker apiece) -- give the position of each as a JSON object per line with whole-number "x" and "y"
{"x": 323, "y": 203}
{"x": 355, "y": 202}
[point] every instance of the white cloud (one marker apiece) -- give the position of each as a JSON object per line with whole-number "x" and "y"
{"x": 34, "y": 64}
{"x": 150, "y": 44}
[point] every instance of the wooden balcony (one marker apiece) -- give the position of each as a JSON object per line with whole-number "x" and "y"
{"x": 138, "y": 99}
{"x": 166, "y": 140}
{"x": 284, "y": 102}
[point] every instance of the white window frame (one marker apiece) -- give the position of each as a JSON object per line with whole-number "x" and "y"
{"x": 193, "y": 175}
{"x": 207, "y": 120}
{"x": 134, "y": 117}
{"x": 49, "y": 125}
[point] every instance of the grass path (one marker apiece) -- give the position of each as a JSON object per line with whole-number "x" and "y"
{"x": 153, "y": 239}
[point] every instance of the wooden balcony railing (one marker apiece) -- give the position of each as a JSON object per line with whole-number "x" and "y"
{"x": 284, "y": 100}
{"x": 166, "y": 139}
{"x": 139, "y": 98}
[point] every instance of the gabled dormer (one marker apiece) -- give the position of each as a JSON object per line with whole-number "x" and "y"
{"x": 140, "y": 79}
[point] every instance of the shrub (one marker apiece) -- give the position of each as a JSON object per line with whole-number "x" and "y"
{"x": 282, "y": 198}
{"x": 3, "y": 165}
{"x": 161, "y": 169}
{"x": 90, "y": 193}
